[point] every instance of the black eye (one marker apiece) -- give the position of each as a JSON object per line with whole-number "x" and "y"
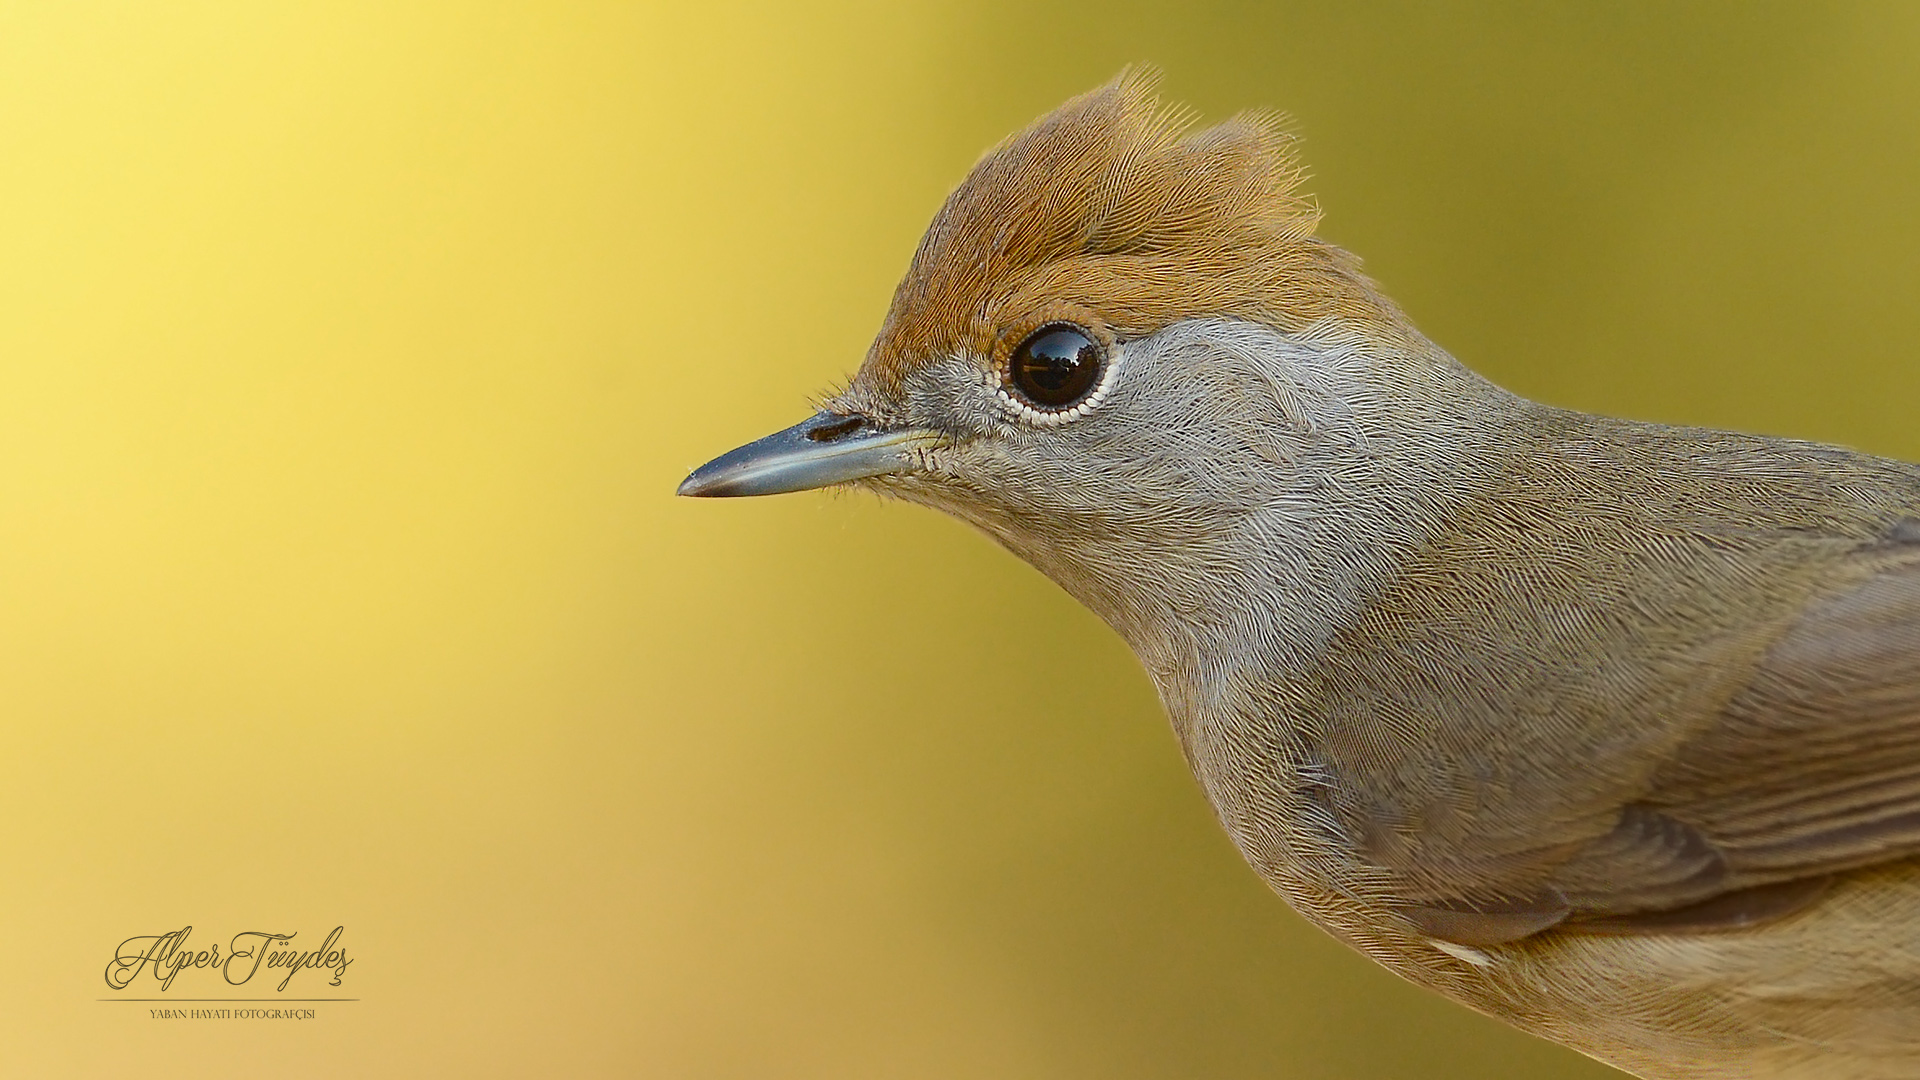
{"x": 1055, "y": 367}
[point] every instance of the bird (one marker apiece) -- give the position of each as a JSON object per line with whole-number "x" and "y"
{"x": 1605, "y": 728}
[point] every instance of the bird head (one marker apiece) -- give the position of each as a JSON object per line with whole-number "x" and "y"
{"x": 1120, "y": 350}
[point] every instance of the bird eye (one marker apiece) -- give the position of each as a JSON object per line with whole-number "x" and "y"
{"x": 1055, "y": 367}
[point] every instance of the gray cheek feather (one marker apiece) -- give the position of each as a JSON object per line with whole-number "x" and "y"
{"x": 955, "y": 395}
{"x": 1221, "y": 459}
{"x": 1206, "y": 424}
{"x": 1230, "y": 469}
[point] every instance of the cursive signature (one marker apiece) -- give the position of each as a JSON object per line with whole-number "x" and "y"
{"x": 165, "y": 956}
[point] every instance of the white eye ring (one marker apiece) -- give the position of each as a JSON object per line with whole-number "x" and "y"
{"x": 996, "y": 381}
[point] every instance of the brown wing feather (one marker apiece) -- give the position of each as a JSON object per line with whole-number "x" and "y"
{"x": 1813, "y": 769}
{"x": 1817, "y": 764}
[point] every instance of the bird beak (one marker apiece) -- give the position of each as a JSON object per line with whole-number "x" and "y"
{"x": 828, "y": 449}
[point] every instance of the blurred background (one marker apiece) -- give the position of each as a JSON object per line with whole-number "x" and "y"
{"x": 350, "y": 352}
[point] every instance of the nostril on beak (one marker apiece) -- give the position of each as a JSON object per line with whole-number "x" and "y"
{"x": 835, "y": 430}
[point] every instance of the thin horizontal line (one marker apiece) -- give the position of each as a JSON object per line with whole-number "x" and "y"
{"x": 227, "y": 999}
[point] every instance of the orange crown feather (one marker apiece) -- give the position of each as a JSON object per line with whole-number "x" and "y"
{"x": 1113, "y": 209}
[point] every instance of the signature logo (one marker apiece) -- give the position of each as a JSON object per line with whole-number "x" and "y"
{"x": 165, "y": 956}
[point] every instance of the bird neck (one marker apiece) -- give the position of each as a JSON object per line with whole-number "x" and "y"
{"x": 1391, "y": 446}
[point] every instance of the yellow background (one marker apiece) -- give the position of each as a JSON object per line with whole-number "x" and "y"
{"x": 349, "y": 354}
